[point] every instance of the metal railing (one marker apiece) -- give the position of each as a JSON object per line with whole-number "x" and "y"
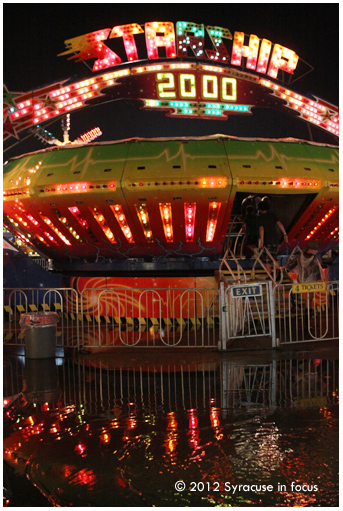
{"x": 165, "y": 317}
{"x": 306, "y": 317}
{"x": 64, "y": 301}
{"x": 176, "y": 317}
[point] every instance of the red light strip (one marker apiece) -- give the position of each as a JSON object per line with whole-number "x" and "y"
{"x": 317, "y": 112}
{"x": 335, "y": 231}
{"x": 15, "y": 230}
{"x": 285, "y": 183}
{"x": 121, "y": 219}
{"x": 58, "y": 101}
{"x": 99, "y": 217}
{"x": 56, "y": 231}
{"x": 91, "y": 135}
{"x": 166, "y": 215}
{"x": 77, "y": 187}
{"x": 143, "y": 216}
{"x": 321, "y": 222}
{"x": 36, "y": 224}
{"x": 202, "y": 182}
{"x": 77, "y": 215}
{"x": 190, "y": 210}
{"x": 213, "y": 212}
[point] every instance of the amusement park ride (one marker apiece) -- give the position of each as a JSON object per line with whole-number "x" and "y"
{"x": 167, "y": 206}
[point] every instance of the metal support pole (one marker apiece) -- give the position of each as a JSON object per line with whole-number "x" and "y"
{"x": 222, "y": 317}
{"x": 271, "y": 293}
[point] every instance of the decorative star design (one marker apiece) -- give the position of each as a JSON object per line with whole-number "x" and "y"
{"x": 9, "y": 128}
{"x": 49, "y": 102}
{"x": 8, "y": 97}
{"x": 328, "y": 115}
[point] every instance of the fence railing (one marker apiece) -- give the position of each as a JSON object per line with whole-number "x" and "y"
{"x": 177, "y": 317}
{"x": 64, "y": 301}
{"x": 104, "y": 318}
{"x": 150, "y": 317}
{"x": 306, "y": 317}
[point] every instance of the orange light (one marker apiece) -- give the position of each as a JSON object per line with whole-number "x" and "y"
{"x": 121, "y": 219}
{"x": 189, "y": 210}
{"x": 213, "y": 213}
{"x": 143, "y": 216}
{"x": 56, "y": 231}
{"x": 321, "y": 222}
{"x": 102, "y": 222}
{"x": 166, "y": 215}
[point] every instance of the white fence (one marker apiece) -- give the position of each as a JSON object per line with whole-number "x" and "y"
{"x": 306, "y": 317}
{"x": 183, "y": 318}
{"x": 150, "y": 317}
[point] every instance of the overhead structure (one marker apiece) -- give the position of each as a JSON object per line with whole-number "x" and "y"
{"x": 179, "y": 76}
{"x": 162, "y": 204}
{"x": 165, "y": 200}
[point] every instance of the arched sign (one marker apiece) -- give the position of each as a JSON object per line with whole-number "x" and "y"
{"x": 177, "y": 83}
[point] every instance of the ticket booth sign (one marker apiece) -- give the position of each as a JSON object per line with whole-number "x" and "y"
{"x": 311, "y": 287}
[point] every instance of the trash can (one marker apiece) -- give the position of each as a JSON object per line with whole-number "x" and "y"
{"x": 40, "y": 333}
{"x": 41, "y": 380}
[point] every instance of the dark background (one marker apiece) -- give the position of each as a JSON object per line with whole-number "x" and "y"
{"x": 35, "y": 33}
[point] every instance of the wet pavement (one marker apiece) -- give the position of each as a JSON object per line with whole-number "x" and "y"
{"x": 131, "y": 427}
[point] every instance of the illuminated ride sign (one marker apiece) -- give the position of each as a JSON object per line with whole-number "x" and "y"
{"x": 186, "y": 89}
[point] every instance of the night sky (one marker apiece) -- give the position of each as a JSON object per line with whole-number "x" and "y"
{"x": 35, "y": 33}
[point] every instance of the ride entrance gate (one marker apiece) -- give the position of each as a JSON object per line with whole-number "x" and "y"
{"x": 248, "y": 312}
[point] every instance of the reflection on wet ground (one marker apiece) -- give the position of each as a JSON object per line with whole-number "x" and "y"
{"x": 175, "y": 428}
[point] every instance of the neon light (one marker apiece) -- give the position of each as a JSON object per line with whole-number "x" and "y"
{"x": 56, "y": 231}
{"x": 143, "y": 216}
{"x": 263, "y": 58}
{"x": 190, "y": 210}
{"x": 91, "y": 135}
{"x": 321, "y": 222}
{"x": 99, "y": 217}
{"x": 282, "y": 58}
{"x": 216, "y": 35}
{"x": 163, "y": 89}
{"x": 187, "y": 86}
{"x": 121, "y": 219}
{"x": 230, "y": 83}
{"x": 239, "y": 50}
{"x": 90, "y": 46}
{"x": 64, "y": 221}
{"x": 166, "y": 215}
{"x": 189, "y": 37}
{"x": 166, "y": 87}
{"x": 210, "y": 87}
{"x": 213, "y": 182}
{"x": 127, "y": 32}
{"x": 77, "y": 215}
{"x": 212, "y": 220}
{"x": 154, "y": 41}
{"x": 184, "y": 40}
